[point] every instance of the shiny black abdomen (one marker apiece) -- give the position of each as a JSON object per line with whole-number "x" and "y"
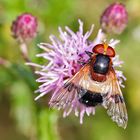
{"x": 101, "y": 64}
{"x": 91, "y": 99}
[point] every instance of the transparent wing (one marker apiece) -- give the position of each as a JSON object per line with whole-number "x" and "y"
{"x": 66, "y": 94}
{"x": 113, "y": 101}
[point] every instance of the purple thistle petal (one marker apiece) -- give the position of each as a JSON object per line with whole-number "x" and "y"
{"x": 63, "y": 55}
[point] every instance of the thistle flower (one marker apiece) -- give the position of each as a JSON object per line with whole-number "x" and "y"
{"x": 114, "y": 19}
{"x": 24, "y": 27}
{"x": 63, "y": 55}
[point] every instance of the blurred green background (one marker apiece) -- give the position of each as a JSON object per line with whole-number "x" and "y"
{"x": 21, "y": 118}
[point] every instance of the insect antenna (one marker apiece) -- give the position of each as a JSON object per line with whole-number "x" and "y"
{"x": 81, "y": 63}
{"x": 89, "y": 53}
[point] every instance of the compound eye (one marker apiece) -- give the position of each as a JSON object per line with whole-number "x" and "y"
{"x": 110, "y": 52}
{"x": 98, "y": 49}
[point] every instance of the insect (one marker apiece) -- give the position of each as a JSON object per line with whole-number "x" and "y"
{"x": 95, "y": 84}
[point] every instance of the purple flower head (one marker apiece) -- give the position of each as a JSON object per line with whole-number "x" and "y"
{"x": 24, "y": 27}
{"x": 63, "y": 56}
{"x": 114, "y": 19}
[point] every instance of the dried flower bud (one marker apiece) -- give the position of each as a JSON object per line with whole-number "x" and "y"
{"x": 114, "y": 19}
{"x": 24, "y": 27}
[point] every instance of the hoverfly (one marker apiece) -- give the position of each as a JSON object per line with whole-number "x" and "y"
{"x": 95, "y": 84}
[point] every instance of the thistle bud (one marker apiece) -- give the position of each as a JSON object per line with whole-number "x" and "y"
{"x": 114, "y": 19}
{"x": 24, "y": 27}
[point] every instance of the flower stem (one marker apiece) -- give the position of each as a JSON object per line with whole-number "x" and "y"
{"x": 24, "y": 52}
{"x": 46, "y": 119}
{"x": 48, "y": 125}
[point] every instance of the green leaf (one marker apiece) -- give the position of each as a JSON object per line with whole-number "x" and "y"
{"x": 23, "y": 109}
